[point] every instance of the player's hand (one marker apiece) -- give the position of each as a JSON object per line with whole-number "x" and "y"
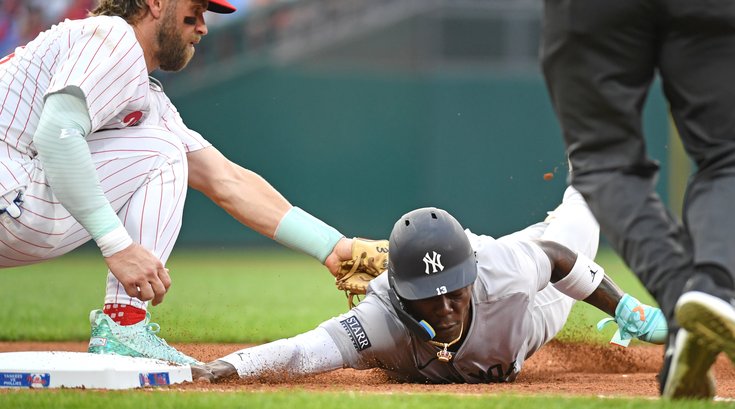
{"x": 342, "y": 251}
{"x": 140, "y": 272}
{"x": 214, "y": 371}
{"x": 367, "y": 259}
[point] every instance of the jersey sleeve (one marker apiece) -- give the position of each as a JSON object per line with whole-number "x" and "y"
{"x": 105, "y": 62}
{"x": 370, "y": 335}
{"x": 170, "y": 119}
{"x": 511, "y": 264}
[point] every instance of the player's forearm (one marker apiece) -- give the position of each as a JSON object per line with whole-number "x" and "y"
{"x": 574, "y": 274}
{"x": 251, "y": 200}
{"x": 67, "y": 163}
{"x": 243, "y": 194}
{"x": 258, "y": 205}
{"x": 606, "y": 297}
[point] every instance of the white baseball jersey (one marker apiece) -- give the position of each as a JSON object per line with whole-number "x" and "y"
{"x": 143, "y": 173}
{"x": 138, "y": 146}
{"x": 99, "y": 56}
{"x": 514, "y": 309}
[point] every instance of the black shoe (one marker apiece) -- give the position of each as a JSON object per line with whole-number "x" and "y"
{"x": 706, "y": 314}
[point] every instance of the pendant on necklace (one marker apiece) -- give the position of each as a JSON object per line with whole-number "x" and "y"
{"x": 444, "y": 355}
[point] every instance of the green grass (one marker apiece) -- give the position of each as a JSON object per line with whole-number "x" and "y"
{"x": 217, "y": 296}
{"x": 164, "y": 399}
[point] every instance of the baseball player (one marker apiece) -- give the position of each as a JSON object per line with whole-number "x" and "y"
{"x": 91, "y": 147}
{"x": 456, "y": 307}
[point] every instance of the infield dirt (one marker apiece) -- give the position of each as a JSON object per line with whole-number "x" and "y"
{"x": 557, "y": 368}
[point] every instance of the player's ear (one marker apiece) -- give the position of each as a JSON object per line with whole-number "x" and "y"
{"x": 156, "y": 7}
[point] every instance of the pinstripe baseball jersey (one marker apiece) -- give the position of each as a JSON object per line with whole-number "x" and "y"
{"x": 164, "y": 114}
{"x": 99, "y": 56}
{"x": 124, "y": 159}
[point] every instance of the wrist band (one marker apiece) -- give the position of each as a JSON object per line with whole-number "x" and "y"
{"x": 301, "y": 231}
{"x": 114, "y": 241}
{"x": 582, "y": 280}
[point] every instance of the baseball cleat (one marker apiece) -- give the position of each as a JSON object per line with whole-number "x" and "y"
{"x": 139, "y": 340}
{"x": 687, "y": 373}
{"x": 637, "y": 320}
{"x": 710, "y": 318}
{"x": 706, "y": 314}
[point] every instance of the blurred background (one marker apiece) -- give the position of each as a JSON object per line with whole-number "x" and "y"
{"x": 361, "y": 110}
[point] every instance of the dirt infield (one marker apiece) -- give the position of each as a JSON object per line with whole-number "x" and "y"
{"x": 569, "y": 369}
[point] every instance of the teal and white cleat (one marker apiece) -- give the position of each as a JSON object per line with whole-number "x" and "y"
{"x": 636, "y": 320}
{"x": 139, "y": 340}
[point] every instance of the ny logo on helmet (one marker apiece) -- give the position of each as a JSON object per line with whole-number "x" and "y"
{"x": 435, "y": 260}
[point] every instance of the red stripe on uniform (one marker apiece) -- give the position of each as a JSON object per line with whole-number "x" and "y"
{"x": 33, "y": 98}
{"x": 142, "y": 215}
{"x": 178, "y": 200}
{"x": 96, "y": 51}
{"x": 172, "y": 238}
{"x": 137, "y": 138}
{"x": 124, "y": 34}
{"x": 126, "y": 167}
{"x": 126, "y": 181}
{"x": 46, "y": 217}
{"x": 124, "y": 71}
{"x": 160, "y": 206}
{"x": 40, "y": 199}
{"x": 11, "y": 173}
{"x": 24, "y": 241}
{"x": 81, "y": 52}
{"x": 112, "y": 98}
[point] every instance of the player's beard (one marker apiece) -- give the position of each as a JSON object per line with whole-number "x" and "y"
{"x": 173, "y": 52}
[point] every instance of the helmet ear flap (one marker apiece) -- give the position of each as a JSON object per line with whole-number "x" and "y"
{"x": 421, "y": 329}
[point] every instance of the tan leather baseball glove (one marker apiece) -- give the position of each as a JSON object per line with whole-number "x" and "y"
{"x": 369, "y": 259}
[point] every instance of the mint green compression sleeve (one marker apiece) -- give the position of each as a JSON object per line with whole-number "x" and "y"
{"x": 67, "y": 162}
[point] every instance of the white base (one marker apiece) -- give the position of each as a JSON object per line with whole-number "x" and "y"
{"x": 54, "y": 369}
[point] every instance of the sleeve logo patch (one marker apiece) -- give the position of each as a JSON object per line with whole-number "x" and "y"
{"x": 354, "y": 329}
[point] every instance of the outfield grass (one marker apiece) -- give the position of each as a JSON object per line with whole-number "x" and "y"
{"x": 217, "y": 296}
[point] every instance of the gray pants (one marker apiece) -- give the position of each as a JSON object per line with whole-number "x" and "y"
{"x": 599, "y": 58}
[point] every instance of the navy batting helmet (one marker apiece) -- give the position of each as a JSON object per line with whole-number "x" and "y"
{"x": 430, "y": 255}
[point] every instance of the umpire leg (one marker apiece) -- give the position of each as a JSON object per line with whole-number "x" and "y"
{"x": 598, "y": 59}
{"x": 697, "y": 64}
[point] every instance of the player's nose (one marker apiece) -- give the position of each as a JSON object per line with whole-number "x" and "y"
{"x": 201, "y": 26}
{"x": 443, "y": 305}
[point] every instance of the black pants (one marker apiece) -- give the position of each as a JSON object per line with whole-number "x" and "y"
{"x": 599, "y": 58}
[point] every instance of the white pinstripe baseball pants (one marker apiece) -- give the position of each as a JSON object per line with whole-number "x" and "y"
{"x": 143, "y": 172}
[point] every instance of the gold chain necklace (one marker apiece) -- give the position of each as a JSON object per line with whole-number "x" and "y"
{"x": 444, "y": 355}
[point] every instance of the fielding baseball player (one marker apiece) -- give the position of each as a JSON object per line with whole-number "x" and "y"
{"x": 90, "y": 147}
{"x": 459, "y": 307}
